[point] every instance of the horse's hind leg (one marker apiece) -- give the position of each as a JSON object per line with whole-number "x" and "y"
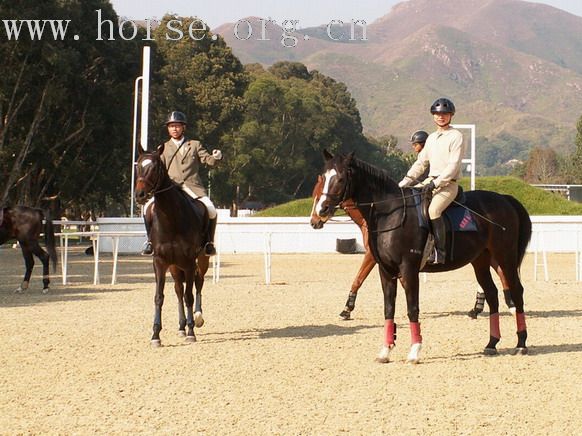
{"x": 506, "y": 286}
{"x": 516, "y": 293}
{"x": 189, "y": 298}
{"x": 367, "y": 266}
{"x": 202, "y": 267}
{"x": 44, "y": 258}
{"x": 179, "y": 288}
{"x": 29, "y": 265}
{"x": 481, "y": 265}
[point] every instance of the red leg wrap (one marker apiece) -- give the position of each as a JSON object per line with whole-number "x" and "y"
{"x": 520, "y": 322}
{"x": 494, "y": 325}
{"x": 389, "y": 332}
{"x": 415, "y": 337}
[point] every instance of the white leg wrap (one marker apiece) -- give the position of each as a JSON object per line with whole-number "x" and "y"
{"x": 414, "y": 354}
{"x": 384, "y": 355}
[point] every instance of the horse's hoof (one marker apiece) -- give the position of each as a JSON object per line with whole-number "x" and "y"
{"x": 190, "y": 339}
{"x": 384, "y": 355}
{"x": 520, "y": 351}
{"x": 198, "y": 319}
{"x": 345, "y": 315}
{"x": 414, "y": 354}
{"x": 19, "y": 290}
{"x": 473, "y": 314}
{"x": 45, "y": 290}
{"x": 490, "y": 352}
{"x": 182, "y": 333}
{"x": 156, "y": 343}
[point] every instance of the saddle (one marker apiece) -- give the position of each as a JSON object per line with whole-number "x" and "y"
{"x": 456, "y": 217}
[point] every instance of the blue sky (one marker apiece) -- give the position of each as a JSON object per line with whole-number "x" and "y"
{"x": 308, "y": 12}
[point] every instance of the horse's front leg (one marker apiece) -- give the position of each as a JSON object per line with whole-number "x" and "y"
{"x": 389, "y": 286}
{"x": 189, "y": 298}
{"x": 202, "y": 267}
{"x": 178, "y": 276}
{"x": 28, "y": 263}
{"x": 367, "y": 266}
{"x": 160, "y": 271}
{"x": 410, "y": 283}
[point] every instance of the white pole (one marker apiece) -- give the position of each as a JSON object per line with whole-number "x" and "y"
{"x": 145, "y": 97}
{"x": 472, "y": 159}
{"x": 134, "y": 140}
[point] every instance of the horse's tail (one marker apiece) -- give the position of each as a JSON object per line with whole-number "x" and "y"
{"x": 49, "y": 239}
{"x": 524, "y": 227}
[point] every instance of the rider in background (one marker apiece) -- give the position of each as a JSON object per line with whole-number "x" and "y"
{"x": 442, "y": 154}
{"x": 418, "y": 139}
{"x": 183, "y": 158}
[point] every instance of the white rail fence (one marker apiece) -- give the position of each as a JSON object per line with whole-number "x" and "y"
{"x": 551, "y": 234}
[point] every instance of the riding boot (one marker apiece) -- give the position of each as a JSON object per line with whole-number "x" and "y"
{"x": 439, "y": 233}
{"x": 147, "y": 249}
{"x": 209, "y": 249}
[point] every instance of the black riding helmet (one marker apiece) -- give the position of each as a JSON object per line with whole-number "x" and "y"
{"x": 176, "y": 117}
{"x": 442, "y": 106}
{"x": 419, "y": 137}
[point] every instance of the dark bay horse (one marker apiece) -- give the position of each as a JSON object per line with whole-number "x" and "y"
{"x": 397, "y": 242}
{"x": 368, "y": 262}
{"x": 178, "y": 232}
{"x": 25, "y": 224}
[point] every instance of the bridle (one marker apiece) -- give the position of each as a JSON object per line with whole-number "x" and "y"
{"x": 155, "y": 187}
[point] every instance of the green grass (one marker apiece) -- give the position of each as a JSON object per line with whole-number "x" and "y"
{"x": 535, "y": 200}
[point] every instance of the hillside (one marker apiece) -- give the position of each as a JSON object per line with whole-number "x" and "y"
{"x": 512, "y": 67}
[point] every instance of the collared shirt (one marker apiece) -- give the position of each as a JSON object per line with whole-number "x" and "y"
{"x": 443, "y": 153}
{"x": 178, "y": 143}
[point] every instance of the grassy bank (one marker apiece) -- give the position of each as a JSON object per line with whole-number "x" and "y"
{"x": 535, "y": 200}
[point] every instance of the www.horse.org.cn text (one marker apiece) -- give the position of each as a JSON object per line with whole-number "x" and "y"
{"x": 261, "y": 29}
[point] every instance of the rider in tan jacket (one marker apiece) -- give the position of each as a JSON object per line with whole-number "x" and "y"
{"x": 183, "y": 158}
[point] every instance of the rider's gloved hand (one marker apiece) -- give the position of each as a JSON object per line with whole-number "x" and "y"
{"x": 404, "y": 182}
{"x": 429, "y": 187}
{"x": 217, "y": 154}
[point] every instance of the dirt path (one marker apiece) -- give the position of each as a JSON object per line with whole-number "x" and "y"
{"x": 277, "y": 360}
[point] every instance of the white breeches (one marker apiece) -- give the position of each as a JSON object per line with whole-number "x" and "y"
{"x": 204, "y": 199}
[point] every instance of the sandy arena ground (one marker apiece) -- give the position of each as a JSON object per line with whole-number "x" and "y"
{"x": 277, "y": 359}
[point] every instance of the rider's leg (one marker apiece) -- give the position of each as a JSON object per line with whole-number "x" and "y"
{"x": 442, "y": 197}
{"x": 209, "y": 248}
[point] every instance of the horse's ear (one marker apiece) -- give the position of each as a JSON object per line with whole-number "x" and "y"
{"x": 350, "y": 156}
{"x": 161, "y": 149}
{"x": 140, "y": 150}
{"x": 327, "y": 155}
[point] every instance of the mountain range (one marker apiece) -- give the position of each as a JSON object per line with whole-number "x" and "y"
{"x": 513, "y": 68}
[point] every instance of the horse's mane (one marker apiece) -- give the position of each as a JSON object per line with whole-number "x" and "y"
{"x": 377, "y": 178}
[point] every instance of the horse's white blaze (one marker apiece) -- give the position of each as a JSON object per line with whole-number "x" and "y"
{"x": 414, "y": 354}
{"x": 329, "y": 174}
{"x": 146, "y": 162}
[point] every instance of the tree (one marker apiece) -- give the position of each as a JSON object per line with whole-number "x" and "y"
{"x": 65, "y": 110}
{"x": 291, "y": 115}
{"x": 542, "y": 166}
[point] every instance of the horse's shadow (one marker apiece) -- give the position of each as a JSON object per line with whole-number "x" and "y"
{"x": 32, "y": 297}
{"x": 533, "y": 350}
{"x": 293, "y": 332}
{"x": 574, "y": 313}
